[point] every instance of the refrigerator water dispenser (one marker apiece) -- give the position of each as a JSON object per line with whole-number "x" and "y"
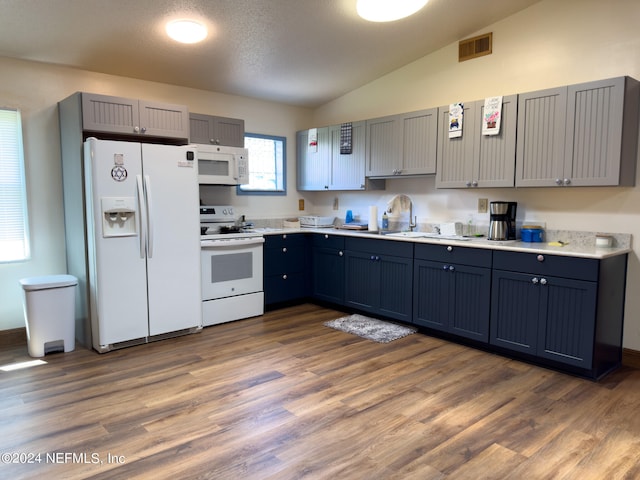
{"x": 118, "y": 216}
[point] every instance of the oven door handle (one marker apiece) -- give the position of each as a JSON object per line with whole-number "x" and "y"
{"x": 232, "y": 242}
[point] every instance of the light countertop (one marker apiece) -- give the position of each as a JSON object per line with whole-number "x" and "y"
{"x": 572, "y": 249}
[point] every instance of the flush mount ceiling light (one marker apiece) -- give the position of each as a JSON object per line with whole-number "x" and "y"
{"x": 388, "y": 10}
{"x": 186, "y": 31}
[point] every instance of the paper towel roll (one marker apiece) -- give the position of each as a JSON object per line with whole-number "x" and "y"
{"x": 373, "y": 218}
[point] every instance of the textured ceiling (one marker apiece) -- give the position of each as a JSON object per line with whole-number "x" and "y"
{"x": 300, "y": 52}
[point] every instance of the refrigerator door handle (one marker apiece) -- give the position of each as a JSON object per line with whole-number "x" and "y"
{"x": 143, "y": 216}
{"x": 147, "y": 189}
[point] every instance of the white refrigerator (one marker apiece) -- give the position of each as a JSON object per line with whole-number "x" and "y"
{"x": 143, "y": 235}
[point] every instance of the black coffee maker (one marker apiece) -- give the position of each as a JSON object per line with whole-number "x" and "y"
{"x": 502, "y": 220}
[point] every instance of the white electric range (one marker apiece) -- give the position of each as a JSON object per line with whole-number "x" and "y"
{"x": 231, "y": 262}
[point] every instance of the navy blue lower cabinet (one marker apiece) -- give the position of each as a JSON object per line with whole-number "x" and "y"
{"x": 327, "y": 269}
{"x": 549, "y": 317}
{"x": 452, "y": 298}
{"x": 285, "y": 268}
{"x": 378, "y": 277}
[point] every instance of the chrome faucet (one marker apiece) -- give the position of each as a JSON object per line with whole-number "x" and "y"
{"x": 403, "y": 201}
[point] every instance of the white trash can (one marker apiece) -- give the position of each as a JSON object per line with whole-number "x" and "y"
{"x": 49, "y": 313}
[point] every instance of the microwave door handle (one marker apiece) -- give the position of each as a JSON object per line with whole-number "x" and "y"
{"x": 236, "y": 168}
{"x": 142, "y": 215}
{"x": 147, "y": 189}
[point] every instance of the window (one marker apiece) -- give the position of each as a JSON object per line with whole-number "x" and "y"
{"x": 267, "y": 165}
{"x": 14, "y": 234}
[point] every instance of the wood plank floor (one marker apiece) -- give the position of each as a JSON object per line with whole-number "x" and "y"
{"x": 283, "y": 397}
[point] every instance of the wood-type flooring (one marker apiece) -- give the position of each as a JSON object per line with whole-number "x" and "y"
{"x": 283, "y": 397}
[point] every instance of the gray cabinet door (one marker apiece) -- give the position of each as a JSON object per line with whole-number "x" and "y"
{"x": 541, "y": 137}
{"x": 455, "y": 155}
{"x": 213, "y": 130}
{"x": 383, "y": 145}
{"x": 495, "y": 155}
{"x": 347, "y": 171}
{"x": 594, "y": 133}
{"x": 163, "y": 119}
{"x": 419, "y": 139}
{"x": 103, "y": 113}
{"x": 313, "y": 162}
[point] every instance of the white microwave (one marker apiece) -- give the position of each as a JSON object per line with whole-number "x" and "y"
{"x": 220, "y": 165}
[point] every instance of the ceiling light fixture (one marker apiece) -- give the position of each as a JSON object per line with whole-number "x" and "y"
{"x": 388, "y": 10}
{"x": 186, "y": 31}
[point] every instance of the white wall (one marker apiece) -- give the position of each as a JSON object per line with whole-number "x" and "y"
{"x": 553, "y": 43}
{"x": 36, "y": 88}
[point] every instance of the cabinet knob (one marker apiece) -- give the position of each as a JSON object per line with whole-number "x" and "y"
{"x": 535, "y": 280}
{"x": 451, "y": 268}
{"x": 372, "y": 257}
{"x": 326, "y": 235}
{"x": 474, "y": 183}
{"x": 540, "y": 258}
{"x": 284, "y": 277}
{"x": 449, "y": 248}
{"x": 543, "y": 281}
{"x": 567, "y": 181}
{"x": 446, "y": 267}
{"x": 136, "y": 129}
{"x": 284, "y": 236}
{"x": 468, "y": 184}
{"x": 326, "y": 187}
{"x": 284, "y": 249}
{"x": 558, "y": 181}
{"x": 340, "y": 253}
{"x": 143, "y": 130}
{"x": 212, "y": 140}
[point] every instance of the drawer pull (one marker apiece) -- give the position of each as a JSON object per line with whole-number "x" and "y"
{"x": 284, "y": 236}
{"x": 340, "y": 253}
{"x": 534, "y": 280}
{"x": 543, "y": 281}
{"x": 284, "y": 249}
{"x": 284, "y": 277}
{"x": 449, "y": 248}
{"x": 540, "y": 258}
{"x": 326, "y": 236}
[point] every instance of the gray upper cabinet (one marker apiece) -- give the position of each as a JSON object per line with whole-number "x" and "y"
{"x": 402, "y": 144}
{"x": 476, "y": 160}
{"x": 126, "y": 116}
{"x": 313, "y": 161}
{"x": 325, "y": 168}
{"x": 213, "y": 130}
{"x": 580, "y": 135}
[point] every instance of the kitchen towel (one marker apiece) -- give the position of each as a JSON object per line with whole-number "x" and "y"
{"x": 492, "y": 116}
{"x": 345, "y": 138}
{"x": 373, "y": 218}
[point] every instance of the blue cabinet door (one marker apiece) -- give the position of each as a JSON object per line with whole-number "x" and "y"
{"x": 515, "y": 311}
{"x": 566, "y": 330}
{"x": 452, "y": 298}
{"x": 395, "y": 292}
{"x": 362, "y": 285}
{"x": 327, "y": 274}
{"x": 471, "y": 293}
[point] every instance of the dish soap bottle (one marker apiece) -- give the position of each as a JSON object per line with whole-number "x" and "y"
{"x": 385, "y": 221}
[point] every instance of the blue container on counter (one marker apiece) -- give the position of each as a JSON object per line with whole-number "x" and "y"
{"x": 531, "y": 233}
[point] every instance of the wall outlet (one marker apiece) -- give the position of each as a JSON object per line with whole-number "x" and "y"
{"x": 483, "y": 205}
{"x": 336, "y": 204}
{"x": 301, "y": 204}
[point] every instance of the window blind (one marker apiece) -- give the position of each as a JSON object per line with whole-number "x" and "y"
{"x": 14, "y": 235}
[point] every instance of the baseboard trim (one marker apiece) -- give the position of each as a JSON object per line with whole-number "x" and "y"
{"x": 13, "y": 337}
{"x": 631, "y": 358}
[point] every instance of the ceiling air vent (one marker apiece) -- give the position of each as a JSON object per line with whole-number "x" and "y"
{"x": 475, "y": 47}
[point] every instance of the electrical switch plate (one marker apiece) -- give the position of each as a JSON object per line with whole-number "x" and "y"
{"x": 335, "y": 203}
{"x": 301, "y": 204}
{"x": 483, "y": 205}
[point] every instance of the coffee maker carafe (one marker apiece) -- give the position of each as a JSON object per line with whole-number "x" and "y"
{"x": 502, "y": 220}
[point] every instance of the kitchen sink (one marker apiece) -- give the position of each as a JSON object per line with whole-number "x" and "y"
{"x": 437, "y": 236}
